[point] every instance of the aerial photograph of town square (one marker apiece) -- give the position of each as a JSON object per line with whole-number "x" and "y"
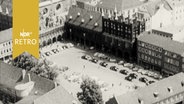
{"x": 97, "y": 52}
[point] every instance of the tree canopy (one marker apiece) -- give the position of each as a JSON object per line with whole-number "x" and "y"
{"x": 91, "y": 93}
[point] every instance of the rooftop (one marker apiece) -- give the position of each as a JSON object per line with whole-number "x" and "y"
{"x": 10, "y": 76}
{"x": 155, "y": 92}
{"x": 6, "y": 35}
{"x": 56, "y": 96}
{"x": 86, "y": 19}
{"x": 177, "y": 32}
{"x": 175, "y": 3}
{"x": 119, "y": 4}
{"x": 167, "y": 44}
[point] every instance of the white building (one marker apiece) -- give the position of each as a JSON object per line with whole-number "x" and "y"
{"x": 6, "y": 44}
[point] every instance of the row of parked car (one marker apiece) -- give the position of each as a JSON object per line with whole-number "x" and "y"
{"x": 58, "y": 49}
{"x": 130, "y": 77}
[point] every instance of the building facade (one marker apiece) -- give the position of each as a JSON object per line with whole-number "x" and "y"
{"x": 113, "y": 34}
{"x": 154, "y": 53}
{"x": 52, "y": 18}
{"x": 6, "y": 44}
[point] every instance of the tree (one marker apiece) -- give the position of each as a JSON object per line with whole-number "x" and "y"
{"x": 91, "y": 93}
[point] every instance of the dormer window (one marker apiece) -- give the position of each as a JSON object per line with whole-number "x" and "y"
{"x": 70, "y": 17}
{"x": 182, "y": 83}
{"x": 170, "y": 89}
{"x": 82, "y": 20}
{"x": 91, "y": 17}
{"x": 155, "y": 94}
{"x": 140, "y": 101}
{"x": 96, "y": 24}
{"x": 78, "y": 14}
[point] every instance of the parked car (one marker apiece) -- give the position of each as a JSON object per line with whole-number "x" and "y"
{"x": 128, "y": 78}
{"x": 104, "y": 64}
{"x": 133, "y": 75}
{"x": 121, "y": 62}
{"x": 55, "y": 51}
{"x": 135, "y": 69}
{"x": 114, "y": 68}
{"x": 48, "y": 53}
{"x": 150, "y": 82}
{"x": 129, "y": 65}
{"x": 143, "y": 79}
{"x": 86, "y": 57}
{"x": 94, "y": 60}
{"x": 125, "y": 72}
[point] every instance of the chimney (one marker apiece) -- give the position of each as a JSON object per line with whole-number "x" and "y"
{"x": 23, "y": 74}
{"x": 29, "y": 77}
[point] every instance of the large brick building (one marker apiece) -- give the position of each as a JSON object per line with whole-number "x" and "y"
{"x": 112, "y": 33}
{"x": 159, "y": 53}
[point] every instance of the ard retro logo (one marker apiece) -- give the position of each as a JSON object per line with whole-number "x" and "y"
{"x": 26, "y": 27}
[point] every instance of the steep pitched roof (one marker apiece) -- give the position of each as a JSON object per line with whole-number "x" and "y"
{"x": 145, "y": 94}
{"x": 167, "y": 44}
{"x": 85, "y": 16}
{"x": 6, "y": 35}
{"x": 56, "y": 96}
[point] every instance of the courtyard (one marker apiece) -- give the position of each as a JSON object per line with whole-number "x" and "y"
{"x": 112, "y": 82}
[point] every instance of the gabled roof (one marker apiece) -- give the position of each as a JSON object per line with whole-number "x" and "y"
{"x": 56, "y": 96}
{"x": 160, "y": 88}
{"x": 84, "y": 16}
{"x": 160, "y": 41}
{"x": 6, "y": 35}
{"x": 153, "y": 6}
{"x": 120, "y": 4}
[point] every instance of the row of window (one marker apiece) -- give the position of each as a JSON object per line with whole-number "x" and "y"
{"x": 170, "y": 67}
{"x": 171, "y": 61}
{"x": 173, "y": 99}
{"x": 149, "y": 52}
{"x": 6, "y": 51}
{"x": 171, "y": 54}
{"x": 149, "y": 46}
{"x": 6, "y": 44}
{"x": 149, "y": 59}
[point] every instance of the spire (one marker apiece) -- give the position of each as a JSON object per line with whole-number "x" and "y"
{"x": 115, "y": 9}
{"x": 116, "y": 17}
{"x": 7, "y": 12}
{"x": 1, "y": 9}
{"x": 109, "y": 16}
{"x": 102, "y": 13}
